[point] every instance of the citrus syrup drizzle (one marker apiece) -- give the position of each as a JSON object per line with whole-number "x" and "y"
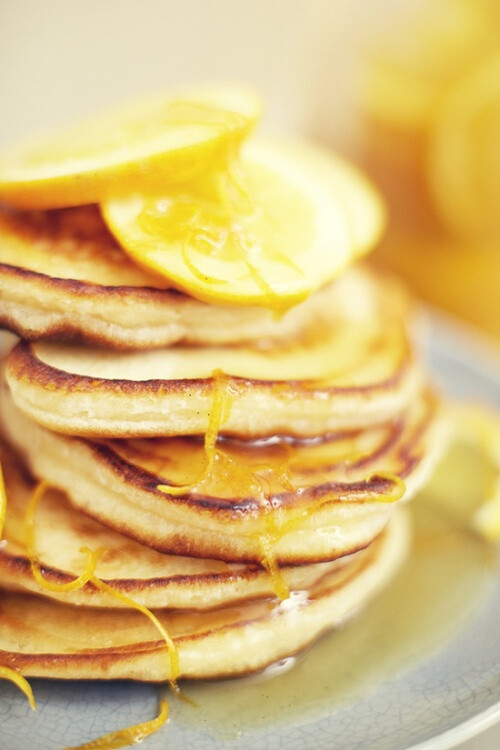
{"x": 219, "y": 414}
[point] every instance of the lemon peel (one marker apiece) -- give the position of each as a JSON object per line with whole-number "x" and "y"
{"x": 173, "y": 653}
{"x": 89, "y": 576}
{"x": 129, "y": 735}
{"x": 30, "y": 542}
{"x": 122, "y": 737}
{"x": 6, "y": 673}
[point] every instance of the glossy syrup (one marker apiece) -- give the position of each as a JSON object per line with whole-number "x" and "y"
{"x": 443, "y": 581}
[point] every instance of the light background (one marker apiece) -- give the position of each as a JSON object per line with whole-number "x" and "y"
{"x": 63, "y": 59}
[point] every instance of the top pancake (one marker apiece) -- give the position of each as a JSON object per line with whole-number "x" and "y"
{"x": 64, "y": 277}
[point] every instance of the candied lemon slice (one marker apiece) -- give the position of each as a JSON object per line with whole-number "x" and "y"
{"x": 465, "y": 153}
{"x": 267, "y": 230}
{"x": 158, "y": 141}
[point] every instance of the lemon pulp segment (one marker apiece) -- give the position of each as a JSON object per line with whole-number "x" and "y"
{"x": 159, "y": 141}
{"x": 268, "y": 230}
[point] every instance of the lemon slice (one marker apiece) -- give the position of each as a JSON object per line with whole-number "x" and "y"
{"x": 158, "y": 141}
{"x": 274, "y": 226}
{"x": 479, "y": 428}
{"x": 465, "y": 153}
{"x": 486, "y": 428}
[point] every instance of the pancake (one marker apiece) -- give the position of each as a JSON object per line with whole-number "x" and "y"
{"x": 47, "y": 639}
{"x": 150, "y": 578}
{"x": 64, "y": 277}
{"x": 355, "y": 372}
{"x": 315, "y": 501}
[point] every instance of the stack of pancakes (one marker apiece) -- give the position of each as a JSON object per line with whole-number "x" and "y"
{"x": 236, "y": 469}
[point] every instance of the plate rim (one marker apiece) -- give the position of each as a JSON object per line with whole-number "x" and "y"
{"x": 462, "y": 732}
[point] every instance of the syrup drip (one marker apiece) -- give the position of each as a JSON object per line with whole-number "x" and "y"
{"x": 398, "y": 487}
{"x": 267, "y": 543}
{"x": 122, "y": 737}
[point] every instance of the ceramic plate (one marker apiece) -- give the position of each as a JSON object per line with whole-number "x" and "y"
{"x": 419, "y": 669}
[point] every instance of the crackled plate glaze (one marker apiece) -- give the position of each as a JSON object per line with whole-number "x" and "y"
{"x": 401, "y": 676}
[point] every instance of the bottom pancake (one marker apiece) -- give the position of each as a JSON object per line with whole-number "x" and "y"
{"x": 41, "y": 638}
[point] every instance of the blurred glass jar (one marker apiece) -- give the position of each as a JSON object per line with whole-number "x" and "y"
{"x": 430, "y": 101}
